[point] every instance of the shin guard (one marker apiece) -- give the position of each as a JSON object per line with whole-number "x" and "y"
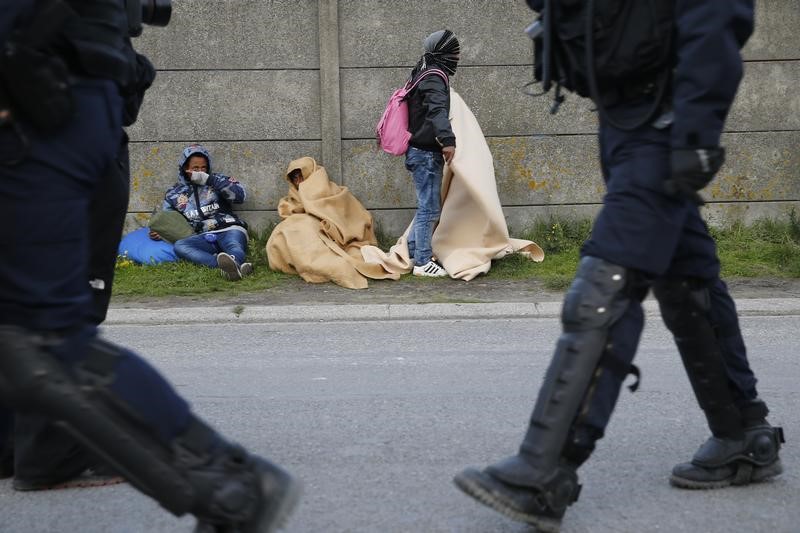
{"x": 595, "y": 300}
{"x": 685, "y": 308}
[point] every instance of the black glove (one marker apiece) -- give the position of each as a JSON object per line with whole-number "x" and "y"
{"x": 691, "y": 170}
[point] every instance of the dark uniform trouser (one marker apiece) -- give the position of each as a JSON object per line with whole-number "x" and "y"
{"x": 106, "y": 219}
{"x": 657, "y": 237}
{"x": 43, "y": 277}
{"x": 42, "y": 451}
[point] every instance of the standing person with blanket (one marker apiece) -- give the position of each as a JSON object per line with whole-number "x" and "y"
{"x": 205, "y": 199}
{"x": 432, "y": 143}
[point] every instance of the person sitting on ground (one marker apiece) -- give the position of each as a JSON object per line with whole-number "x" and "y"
{"x": 205, "y": 199}
{"x": 323, "y": 230}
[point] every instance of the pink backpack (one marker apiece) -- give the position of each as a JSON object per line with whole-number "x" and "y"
{"x": 392, "y": 129}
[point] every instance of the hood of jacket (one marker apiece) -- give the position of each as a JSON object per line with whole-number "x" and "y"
{"x": 189, "y": 151}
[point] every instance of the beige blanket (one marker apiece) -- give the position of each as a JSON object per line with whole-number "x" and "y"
{"x": 323, "y": 229}
{"x": 472, "y": 229}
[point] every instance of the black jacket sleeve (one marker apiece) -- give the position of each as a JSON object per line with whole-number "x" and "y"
{"x": 141, "y": 78}
{"x": 10, "y": 12}
{"x": 709, "y": 36}
{"x": 436, "y": 101}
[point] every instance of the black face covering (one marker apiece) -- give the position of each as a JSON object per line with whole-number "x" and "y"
{"x": 442, "y": 50}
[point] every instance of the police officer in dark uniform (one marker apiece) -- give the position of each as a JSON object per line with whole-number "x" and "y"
{"x": 38, "y": 454}
{"x": 61, "y": 112}
{"x": 659, "y": 145}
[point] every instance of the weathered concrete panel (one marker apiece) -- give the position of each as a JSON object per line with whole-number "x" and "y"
{"x": 494, "y": 95}
{"x": 235, "y": 34}
{"x": 775, "y": 35}
{"x": 767, "y": 98}
{"x": 726, "y": 213}
{"x": 759, "y": 167}
{"x": 242, "y": 76}
{"x": 766, "y": 101}
{"x": 233, "y": 105}
{"x": 263, "y": 34}
{"x": 378, "y": 179}
{"x": 544, "y": 170}
{"x": 260, "y": 166}
{"x": 564, "y": 169}
{"x": 376, "y": 33}
{"x": 491, "y": 33}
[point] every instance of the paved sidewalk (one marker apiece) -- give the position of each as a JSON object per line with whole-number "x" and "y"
{"x": 409, "y": 300}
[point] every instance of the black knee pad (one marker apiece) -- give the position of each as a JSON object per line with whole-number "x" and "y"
{"x": 594, "y": 300}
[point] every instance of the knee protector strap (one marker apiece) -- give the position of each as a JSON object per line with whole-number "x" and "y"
{"x": 596, "y": 299}
{"x": 685, "y": 306}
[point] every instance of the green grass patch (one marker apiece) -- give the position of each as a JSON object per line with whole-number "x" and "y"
{"x": 766, "y": 248}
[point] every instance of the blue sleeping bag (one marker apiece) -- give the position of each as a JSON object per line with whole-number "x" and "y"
{"x": 140, "y": 248}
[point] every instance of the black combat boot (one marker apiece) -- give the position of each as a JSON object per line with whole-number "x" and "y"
{"x": 506, "y": 487}
{"x": 6, "y": 462}
{"x": 242, "y": 493}
{"x": 721, "y": 462}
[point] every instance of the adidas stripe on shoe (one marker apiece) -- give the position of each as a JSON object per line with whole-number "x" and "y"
{"x": 431, "y": 269}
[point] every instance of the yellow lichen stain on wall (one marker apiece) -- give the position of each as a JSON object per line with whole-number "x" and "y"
{"x": 142, "y": 219}
{"x": 740, "y": 187}
{"x": 534, "y": 185}
{"x": 136, "y": 178}
{"x": 360, "y": 149}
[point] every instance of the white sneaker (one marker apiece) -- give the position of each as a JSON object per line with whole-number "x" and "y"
{"x": 228, "y": 266}
{"x": 431, "y": 269}
{"x": 246, "y": 269}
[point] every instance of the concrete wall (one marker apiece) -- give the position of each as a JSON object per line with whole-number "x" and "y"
{"x": 261, "y": 82}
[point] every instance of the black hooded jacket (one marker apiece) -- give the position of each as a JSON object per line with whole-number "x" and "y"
{"x": 428, "y": 110}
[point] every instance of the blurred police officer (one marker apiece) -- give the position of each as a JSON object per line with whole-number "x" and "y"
{"x": 41, "y": 455}
{"x": 663, "y": 75}
{"x": 61, "y": 68}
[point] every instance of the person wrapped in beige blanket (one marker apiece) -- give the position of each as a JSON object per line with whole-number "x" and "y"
{"x": 472, "y": 229}
{"x": 323, "y": 230}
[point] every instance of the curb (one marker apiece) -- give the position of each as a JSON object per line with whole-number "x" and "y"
{"x": 260, "y": 314}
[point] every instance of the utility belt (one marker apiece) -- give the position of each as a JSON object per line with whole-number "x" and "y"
{"x": 627, "y": 92}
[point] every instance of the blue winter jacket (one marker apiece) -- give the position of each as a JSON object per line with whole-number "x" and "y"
{"x": 214, "y": 199}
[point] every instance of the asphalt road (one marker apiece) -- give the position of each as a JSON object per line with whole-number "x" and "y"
{"x": 376, "y": 417}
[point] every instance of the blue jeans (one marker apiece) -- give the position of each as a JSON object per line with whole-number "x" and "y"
{"x": 426, "y": 170}
{"x": 198, "y": 249}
